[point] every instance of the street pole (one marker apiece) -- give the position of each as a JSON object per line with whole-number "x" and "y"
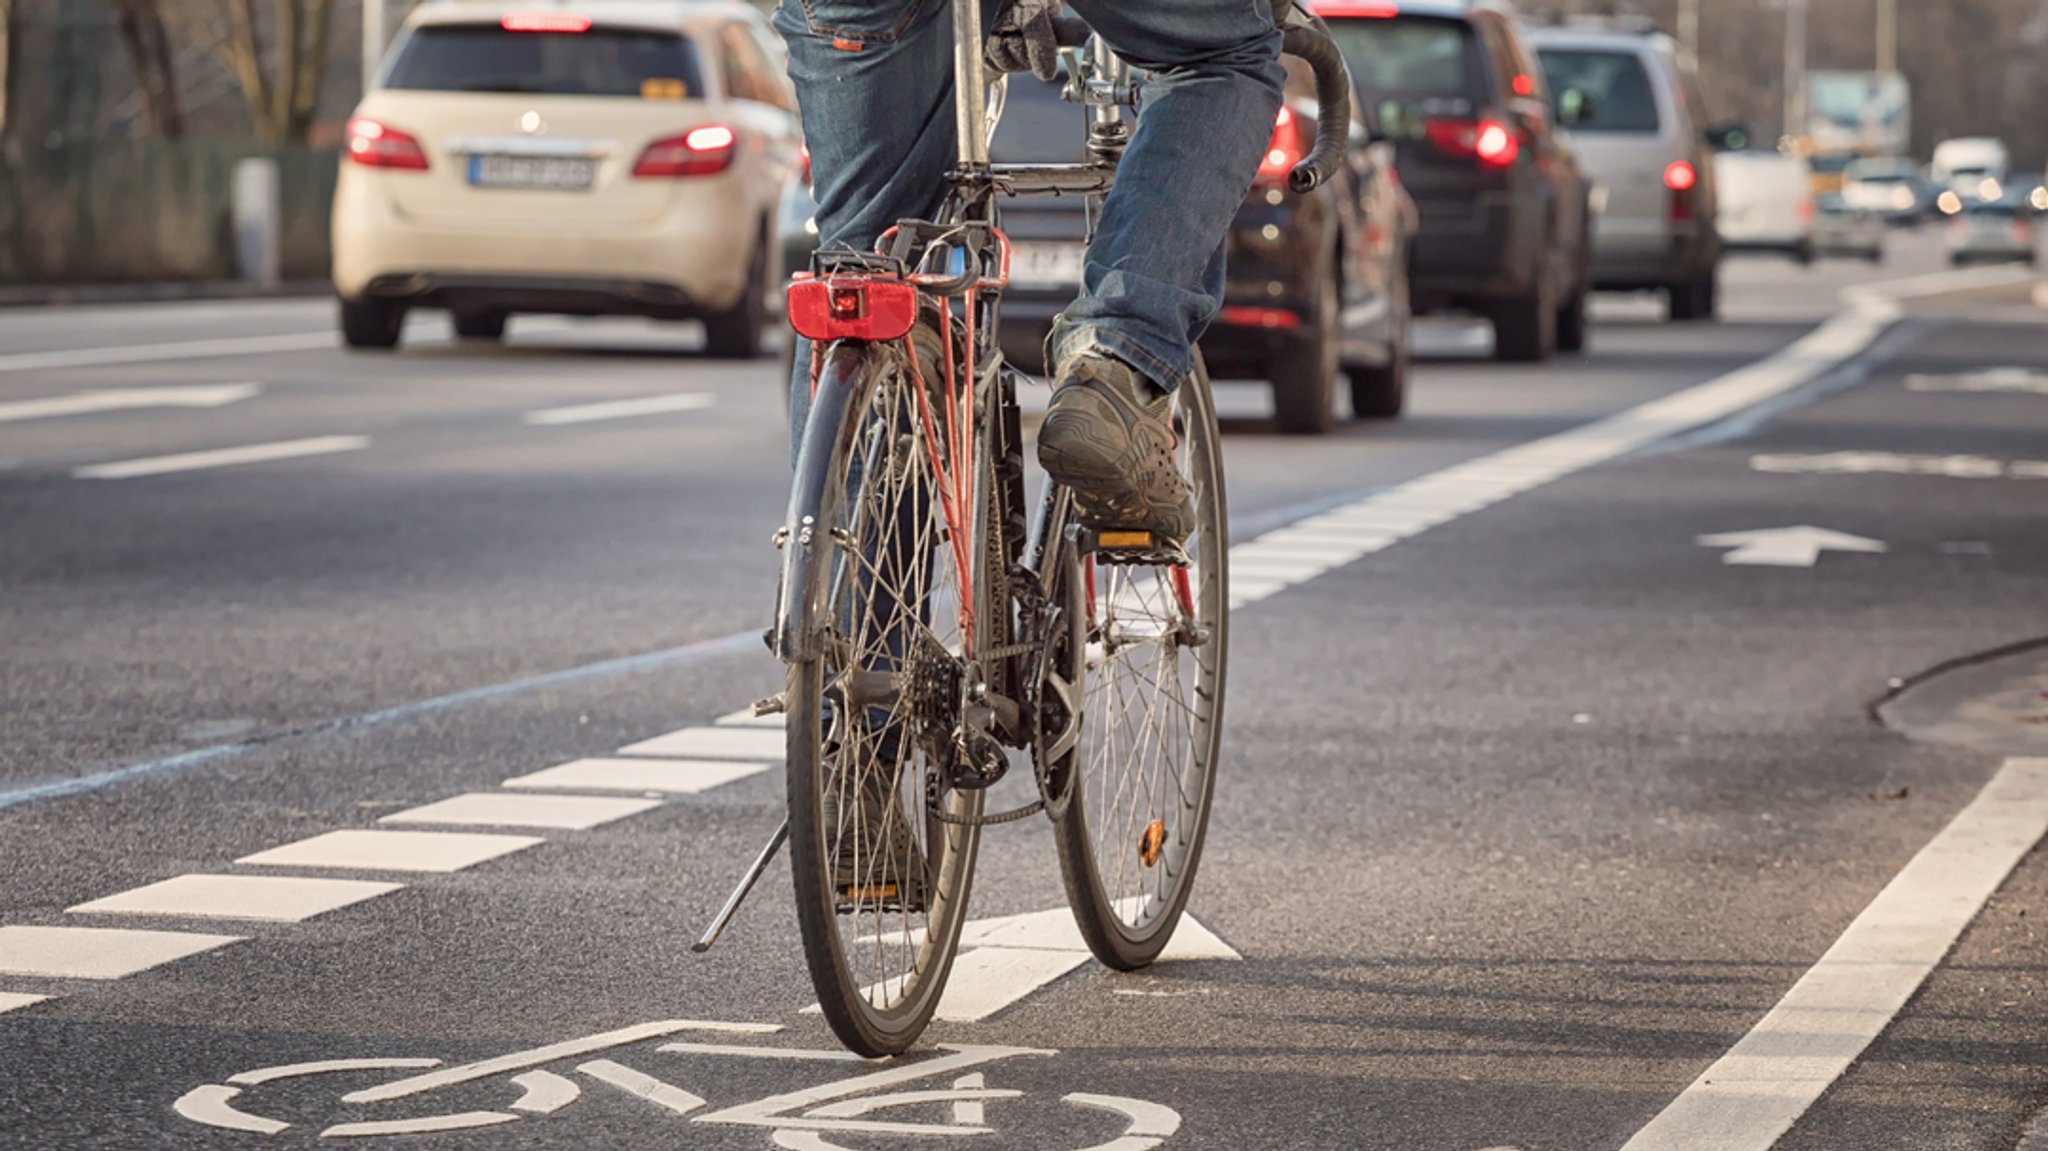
{"x": 1887, "y": 35}
{"x": 373, "y": 41}
{"x": 1795, "y": 68}
{"x": 1689, "y": 26}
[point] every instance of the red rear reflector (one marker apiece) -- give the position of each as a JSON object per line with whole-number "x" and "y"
{"x": 1679, "y": 176}
{"x": 376, "y": 145}
{"x": 1285, "y": 150}
{"x": 852, "y": 309}
{"x": 545, "y": 22}
{"x": 1356, "y": 9}
{"x": 701, "y": 151}
{"x": 1248, "y": 317}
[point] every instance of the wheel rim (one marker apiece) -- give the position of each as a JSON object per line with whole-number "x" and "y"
{"x": 881, "y": 674}
{"x": 1150, "y": 701}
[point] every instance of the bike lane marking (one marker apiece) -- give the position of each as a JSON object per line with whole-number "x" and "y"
{"x": 672, "y": 776}
{"x": 221, "y": 458}
{"x": 362, "y": 849}
{"x": 524, "y": 1060}
{"x": 730, "y": 741}
{"x": 14, "y": 1000}
{"x": 1752, "y": 1095}
{"x": 499, "y": 809}
{"x": 96, "y": 952}
{"x": 271, "y": 898}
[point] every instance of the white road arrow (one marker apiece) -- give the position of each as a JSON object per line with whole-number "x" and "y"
{"x": 1794, "y": 547}
{"x": 115, "y": 399}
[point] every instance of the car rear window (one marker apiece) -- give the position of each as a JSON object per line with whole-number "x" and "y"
{"x": 1612, "y": 90}
{"x": 598, "y": 62}
{"x": 1413, "y": 59}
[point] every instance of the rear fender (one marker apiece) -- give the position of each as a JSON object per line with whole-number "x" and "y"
{"x": 807, "y": 544}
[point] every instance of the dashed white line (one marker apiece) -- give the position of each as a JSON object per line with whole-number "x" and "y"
{"x": 273, "y": 898}
{"x": 714, "y": 743}
{"x": 222, "y": 458}
{"x": 1752, "y": 1095}
{"x": 368, "y": 850}
{"x": 496, "y": 809}
{"x": 622, "y": 409}
{"x": 675, "y": 776}
{"x": 179, "y": 350}
{"x": 96, "y": 952}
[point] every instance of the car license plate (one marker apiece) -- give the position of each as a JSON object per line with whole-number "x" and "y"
{"x": 546, "y": 173}
{"x": 1046, "y": 265}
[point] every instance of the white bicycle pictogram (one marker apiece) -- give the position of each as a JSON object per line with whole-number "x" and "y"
{"x": 800, "y": 1120}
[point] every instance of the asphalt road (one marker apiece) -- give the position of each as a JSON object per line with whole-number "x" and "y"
{"x": 1527, "y": 821}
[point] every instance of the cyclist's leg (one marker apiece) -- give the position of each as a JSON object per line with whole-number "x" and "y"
{"x": 1148, "y": 292}
{"x": 874, "y": 82}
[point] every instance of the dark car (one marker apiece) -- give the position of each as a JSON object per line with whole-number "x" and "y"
{"x": 1504, "y": 206}
{"x": 1316, "y": 285}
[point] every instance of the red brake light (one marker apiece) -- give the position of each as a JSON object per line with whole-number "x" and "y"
{"x": 1356, "y": 9}
{"x": 1523, "y": 85}
{"x": 1679, "y": 176}
{"x": 1493, "y": 143}
{"x": 700, "y": 151}
{"x": 852, "y": 309}
{"x": 376, "y": 145}
{"x": 545, "y": 22}
{"x": 804, "y": 163}
{"x": 1284, "y": 152}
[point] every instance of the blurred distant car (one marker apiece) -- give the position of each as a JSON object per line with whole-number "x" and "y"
{"x": 622, "y": 157}
{"x": 1889, "y": 185}
{"x": 1505, "y": 209}
{"x": 1766, "y": 203}
{"x": 1316, "y": 286}
{"x": 1632, "y": 107}
{"x": 1992, "y": 231}
{"x": 1841, "y": 229}
{"x": 1965, "y": 163}
{"x": 1828, "y": 171}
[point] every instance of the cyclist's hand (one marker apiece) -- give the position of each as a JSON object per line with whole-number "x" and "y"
{"x": 1023, "y": 39}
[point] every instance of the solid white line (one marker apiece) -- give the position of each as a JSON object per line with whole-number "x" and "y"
{"x": 496, "y": 809}
{"x": 96, "y": 952}
{"x": 713, "y": 743}
{"x": 179, "y": 350}
{"x": 222, "y": 458}
{"x": 15, "y": 1000}
{"x": 622, "y": 409}
{"x": 273, "y": 898}
{"x": 371, "y": 850}
{"x": 675, "y": 776}
{"x": 1751, "y": 1096}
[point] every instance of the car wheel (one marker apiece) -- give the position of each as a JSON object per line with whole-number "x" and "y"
{"x": 1571, "y": 322}
{"x": 1803, "y": 255}
{"x": 481, "y": 325}
{"x": 1525, "y": 330}
{"x": 1380, "y": 391}
{"x": 373, "y": 325}
{"x": 1304, "y": 372}
{"x": 736, "y": 334}
{"x": 1696, "y": 300}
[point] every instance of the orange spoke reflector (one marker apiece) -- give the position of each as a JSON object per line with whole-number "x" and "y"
{"x": 885, "y": 891}
{"x": 1152, "y": 844}
{"x": 1124, "y": 540}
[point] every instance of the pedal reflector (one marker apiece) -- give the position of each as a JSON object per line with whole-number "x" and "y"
{"x": 1152, "y": 844}
{"x": 882, "y": 891}
{"x": 1115, "y": 539}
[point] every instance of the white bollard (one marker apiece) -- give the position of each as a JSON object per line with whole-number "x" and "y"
{"x": 258, "y": 216}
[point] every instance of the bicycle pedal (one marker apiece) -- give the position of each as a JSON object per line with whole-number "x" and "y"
{"x": 1133, "y": 547}
{"x": 777, "y": 704}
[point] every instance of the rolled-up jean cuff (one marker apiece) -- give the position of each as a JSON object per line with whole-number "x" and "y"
{"x": 1070, "y": 342}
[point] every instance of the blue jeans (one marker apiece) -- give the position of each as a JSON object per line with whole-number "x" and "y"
{"x": 874, "y": 79}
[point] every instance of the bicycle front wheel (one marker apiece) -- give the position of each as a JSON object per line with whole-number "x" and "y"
{"x": 882, "y": 883}
{"x": 1147, "y": 647}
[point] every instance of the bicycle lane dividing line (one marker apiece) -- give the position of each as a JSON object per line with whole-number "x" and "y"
{"x": 1752, "y": 1095}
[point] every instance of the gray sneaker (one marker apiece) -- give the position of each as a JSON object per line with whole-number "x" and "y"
{"x": 1109, "y": 438}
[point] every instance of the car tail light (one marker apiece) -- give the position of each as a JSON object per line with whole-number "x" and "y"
{"x": 1252, "y": 317}
{"x": 1806, "y": 210}
{"x": 852, "y": 309}
{"x": 1492, "y": 143}
{"x": 545, "y": 22}
{"x": 1681, "y": 178}
{"x": 803, "y": 160}
{"x": 1523, "y": 85}
{"x": 376, "y": 145}
{"x": 1285, "y": 150}
{"x": 1356, "y": 9}
{"x": 2022, "y": 228}
{"x": 700, "y": 151}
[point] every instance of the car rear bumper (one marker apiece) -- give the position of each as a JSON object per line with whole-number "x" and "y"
{"x": 1470, "y": 258}
{"x": 1627, "y": 258}
{"x": 561, "y": 295}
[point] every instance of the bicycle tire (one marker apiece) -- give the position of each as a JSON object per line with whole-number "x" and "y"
{"x": 1128, "y": 914}
{"x": 878, "y": 972}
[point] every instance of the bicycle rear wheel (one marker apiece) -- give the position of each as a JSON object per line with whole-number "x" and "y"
{"x": 1147, "y": 649}
{"x": 881, "y": 885}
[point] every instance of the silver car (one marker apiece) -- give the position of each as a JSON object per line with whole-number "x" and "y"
{"x": 1632, "y": 106}
{"x": 1992, "y": 231}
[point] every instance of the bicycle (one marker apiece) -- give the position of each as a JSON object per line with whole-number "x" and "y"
{"x": 928, "y": 627}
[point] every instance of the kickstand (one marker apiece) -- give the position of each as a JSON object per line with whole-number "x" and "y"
{"x": 739, "y": 895}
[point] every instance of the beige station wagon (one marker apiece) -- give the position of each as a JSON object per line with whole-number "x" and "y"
{"x": 621, "y": 157}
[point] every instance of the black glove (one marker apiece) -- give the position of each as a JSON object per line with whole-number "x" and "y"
{"x": 1023, "y": 39}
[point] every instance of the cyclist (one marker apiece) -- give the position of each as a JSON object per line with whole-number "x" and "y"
{"x": 875, "y": 85}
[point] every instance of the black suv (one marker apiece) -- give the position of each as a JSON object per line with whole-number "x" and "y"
{"x": 1505, "y": 209}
